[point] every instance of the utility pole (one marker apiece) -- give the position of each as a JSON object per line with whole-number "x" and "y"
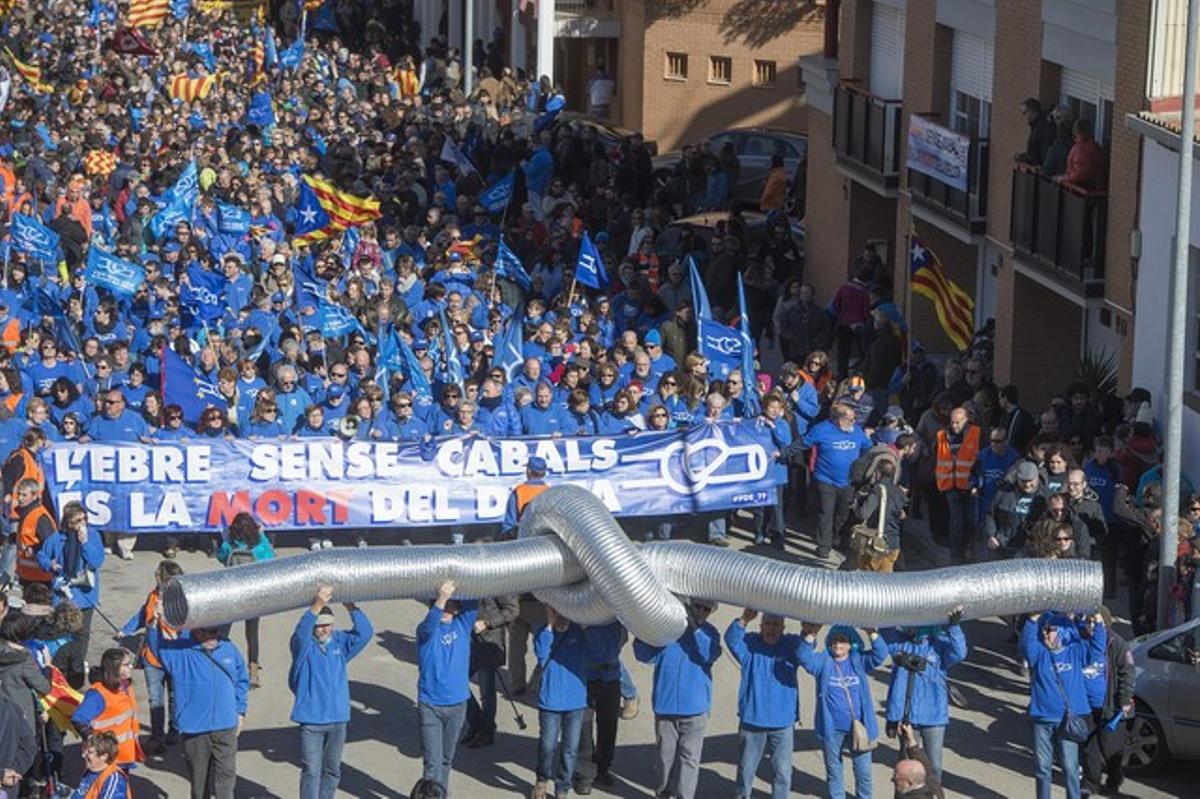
{"x": 469, "y": 47}
{"x": 1177, "y": 329}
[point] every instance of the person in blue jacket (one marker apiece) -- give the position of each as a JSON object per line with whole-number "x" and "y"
{"x": 542, "y": 417}
{"x": 74, "y": 555}
{"x": 920, "y": 664}
{"x": 843, "y": 696}
{"x": 603, "y": 671}
{"x": 561, "y": 649}
{"x": 1057, "y": 658}
{"x": 767, "y": 699}
{"x": 769, "y": 520}
{"x": 212, "y": 686}
{"x": 989, "y": 471}
{"x": 322, "y": 689}
{"x": 443, "y": 682}
{"x": 839, "y": 442}
{"x": 682, "y": 699}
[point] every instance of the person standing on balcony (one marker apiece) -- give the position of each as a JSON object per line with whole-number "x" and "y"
{"x": 600, "y": 91}
{"x": 1041, "y": 133}
{"x": 1086, "y": 163}
{"x": 1055, "y": 162}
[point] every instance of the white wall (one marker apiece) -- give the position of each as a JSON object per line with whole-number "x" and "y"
{"x": 1160, "y": 170}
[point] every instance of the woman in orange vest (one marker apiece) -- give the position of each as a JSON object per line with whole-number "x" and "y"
{"x": 104, "y": 779}
{"x": 109, "y": 706}
{"x": 157, "y": 684}
{"x": 956, "y": 448}
{"x": 34, "y": 526}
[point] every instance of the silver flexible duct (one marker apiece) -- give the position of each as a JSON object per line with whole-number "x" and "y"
{"x": 591, "y": 573}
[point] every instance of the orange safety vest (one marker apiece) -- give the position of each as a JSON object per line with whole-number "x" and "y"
{"x": 31, "y": 470}
{"x": 94, "y": 791}
{"x": 953, "y": 470}
{"x": 120, "y": 718}
{"x": 12, "y": 401}
{"x": 167, "y": 632}
{"x": 10, "y": 335}
{"x": 27, "y": 547}
{"x": 526, "y": 492}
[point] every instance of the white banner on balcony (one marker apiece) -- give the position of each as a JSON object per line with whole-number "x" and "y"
{"x": 938, "y": 152}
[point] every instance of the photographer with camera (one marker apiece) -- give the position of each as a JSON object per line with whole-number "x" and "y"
{"x": 917, "y": 694}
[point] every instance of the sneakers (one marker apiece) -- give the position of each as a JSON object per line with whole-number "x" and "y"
{"x": 326, "y": 543}
{"x": 542, "y": 789}
{"x": 255, "y": 679}
{"x": 314, "y": 545}
{"x": 629, "y": 708}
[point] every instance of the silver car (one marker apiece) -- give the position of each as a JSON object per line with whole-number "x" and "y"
{"x": 1166, "y": 722}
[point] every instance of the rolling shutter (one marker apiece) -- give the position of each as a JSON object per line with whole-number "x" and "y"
{"x": 887, "y": 52}
{"x": 972, "y": 66}
{"x": 1083, "y": 86}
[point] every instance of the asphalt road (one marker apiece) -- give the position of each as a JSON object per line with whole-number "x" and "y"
{"x": 988, "y": 742}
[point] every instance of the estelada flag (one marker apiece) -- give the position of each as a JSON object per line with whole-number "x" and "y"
{"x": 62, "y": 701}
{"x": 343, "y": 209}
{"x": 148, "y": 13}
{"x": 189, "y": 89}
{"x": 32, "y": 74}
{"x": 99, "y": 162}
{"x": 130, "y": 42}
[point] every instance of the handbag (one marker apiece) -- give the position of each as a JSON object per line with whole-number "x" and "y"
{"x": 871, "y": 541}
{"x": 860, "y": 739}
{"x": 1073, "y": 728}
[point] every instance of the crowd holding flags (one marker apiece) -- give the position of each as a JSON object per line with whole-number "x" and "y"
{"x": 182, "y": 386}
{"x": 954, "y": 307}
{"x": 322, "y": 210}
{"x": 188, "y": 89}
{"x": 31, "y": 73}
{"x": 148, "y": 13}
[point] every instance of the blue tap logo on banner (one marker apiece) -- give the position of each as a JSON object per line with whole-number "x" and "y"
{"x": 35, "y": 239}
{"x": 116, "y": 274}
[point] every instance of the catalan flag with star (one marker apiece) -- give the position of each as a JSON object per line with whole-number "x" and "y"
{"x": 148, "y": 13}
{"x": 31, "y": 73}
{"x": 322, "y": 210}
{"x": 188, "y": 89}
{"x": 954, "y": 307}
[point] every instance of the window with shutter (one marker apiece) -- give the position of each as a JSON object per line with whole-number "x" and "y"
{"x": 887, "y": 52}
{"x": 972, "y": 66}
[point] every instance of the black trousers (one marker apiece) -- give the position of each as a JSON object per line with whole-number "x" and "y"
{"x": 212, "y": 761}
{"x": 833, "y": 509}
{"x": 596, "y": 748}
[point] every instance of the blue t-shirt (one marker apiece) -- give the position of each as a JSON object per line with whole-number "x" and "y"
{"x": 844, "y": 680}
{"x": 836, "y": 451}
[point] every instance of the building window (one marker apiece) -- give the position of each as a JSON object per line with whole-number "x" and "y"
{"x": 764, "y": 73}
{"x": 720, "y": 69}
{"x": 677, "y": 66}
{"x": 969, "y": 115}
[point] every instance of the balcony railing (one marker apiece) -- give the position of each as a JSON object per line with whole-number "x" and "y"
{"x": 866, "y": 134}
{"x": 967, "y": 207}
{"x": 1059, "y": 226}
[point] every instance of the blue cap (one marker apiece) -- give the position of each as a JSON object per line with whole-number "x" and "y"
{"x": 334, "y": 391}
{"x": 537, "y": 464}
{"x": 171, "y": 246}
{"x": 455, "y": 256}
{"x": 653, "y": 337}
{"x": 476, "y": 336}
{"x": 419, "y": 344}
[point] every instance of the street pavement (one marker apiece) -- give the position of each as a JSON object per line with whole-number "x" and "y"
{"x": 988, "y": 752}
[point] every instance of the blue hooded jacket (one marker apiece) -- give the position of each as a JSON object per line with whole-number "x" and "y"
{"x": 318, "y": 673}
{"x": 1069, "y": 662}
{"x": 562, "y": 657}
{"x": 834, "y": 678}
{"x": 683, "y": 671}
{"x": 930, "y": 705}
{"x": 444, "y": 655}
{"x": 91, "y": 558}
{"x": 211, "y": 688}
{"x": 604, "y": 651}
{"x": 767, "y": 695}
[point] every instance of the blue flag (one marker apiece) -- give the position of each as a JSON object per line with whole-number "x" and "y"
{"x": 204, "y": 52}
{"x": 117, "y": 275}
{"x": 310, "y": 214}
{"x": 350, "y": 240}
{"x": 589, "y": 268}
{"x": 553, "y": 106}
{"x": 35, "y": 239}
{"x": 260, "y": 110}
{"x": 180, "y": 202}
{"x": 454, "y": 367}
{"x": 232, "y": 219}
{"x": 181, "y": 386}
{"x": 270, "y": 50}
{"x": 181, "y": 8}
{"x": 508, "y": 265}
{"x": 510, "y": 347}
{"x": 291, "y": 57}
{"x": 700, "y": 304}
{"x": 497, "y": 196}
{"x": 722, "y": 346}
{"x": 336, "y": 319}
{"x": 204, "y": 293}
{"x": 749, "y": 376}
{"x": 310, "y": 289}
{"x": 417, "y": 379}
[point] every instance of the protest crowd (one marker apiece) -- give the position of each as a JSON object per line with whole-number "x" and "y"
{"x": 222, "y": 225}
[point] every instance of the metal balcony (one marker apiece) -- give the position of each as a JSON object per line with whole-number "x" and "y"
{"x": 964, "y": 204}
{"x": 866, "y": 137}
{"x": 1060, "y": 228}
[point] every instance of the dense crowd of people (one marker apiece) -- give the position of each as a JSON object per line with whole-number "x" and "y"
{"x": 295, "y": 330}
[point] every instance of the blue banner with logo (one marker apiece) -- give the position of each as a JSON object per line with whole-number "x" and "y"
{"x": 35, "y": 239}
{"x": 116, "y": 274}
{"x": 328, "y": 483}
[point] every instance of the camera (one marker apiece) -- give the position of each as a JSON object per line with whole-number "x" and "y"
{"x": 907, "y": 660}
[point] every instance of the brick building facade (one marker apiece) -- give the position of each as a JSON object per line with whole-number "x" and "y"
{"x": 1051, "y": 265}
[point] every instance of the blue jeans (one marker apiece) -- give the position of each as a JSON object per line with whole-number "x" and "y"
{"x": 321, "y": 759}
{"x": 752, "y": 742}
{"x": 834, "y": 777}
{"x": 156, "y": 681}
{"x": 1045, "y": 736}
{"x": 8, "y": 558}
{"x": 553, "y": 725}
{"x": 481, "y": 713}
{"x": 716, "y": 529}
{"x": 440, "y": 727}
{"x": 628, "y": 689}
{"x": 933, "y": 740}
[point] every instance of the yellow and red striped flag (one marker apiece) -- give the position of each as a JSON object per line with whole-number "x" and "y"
{"x": 189, "y": 89}
{"x": 32, "y": 74}
{"x": 62, "y": 701}
{"x": 258, "y": 59}
{"x": 99, "y": 162}
{"x": 955, "y": 308}
{"x": 344, "y": 209}
{"x": 148, "y": 13}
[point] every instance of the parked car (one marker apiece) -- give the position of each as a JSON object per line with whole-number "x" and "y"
{"x": 704, "y": 225}
{"x": 607, "y": 133}
{"x": 754, "y": 148}
{"x": 1166, "y": 721}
